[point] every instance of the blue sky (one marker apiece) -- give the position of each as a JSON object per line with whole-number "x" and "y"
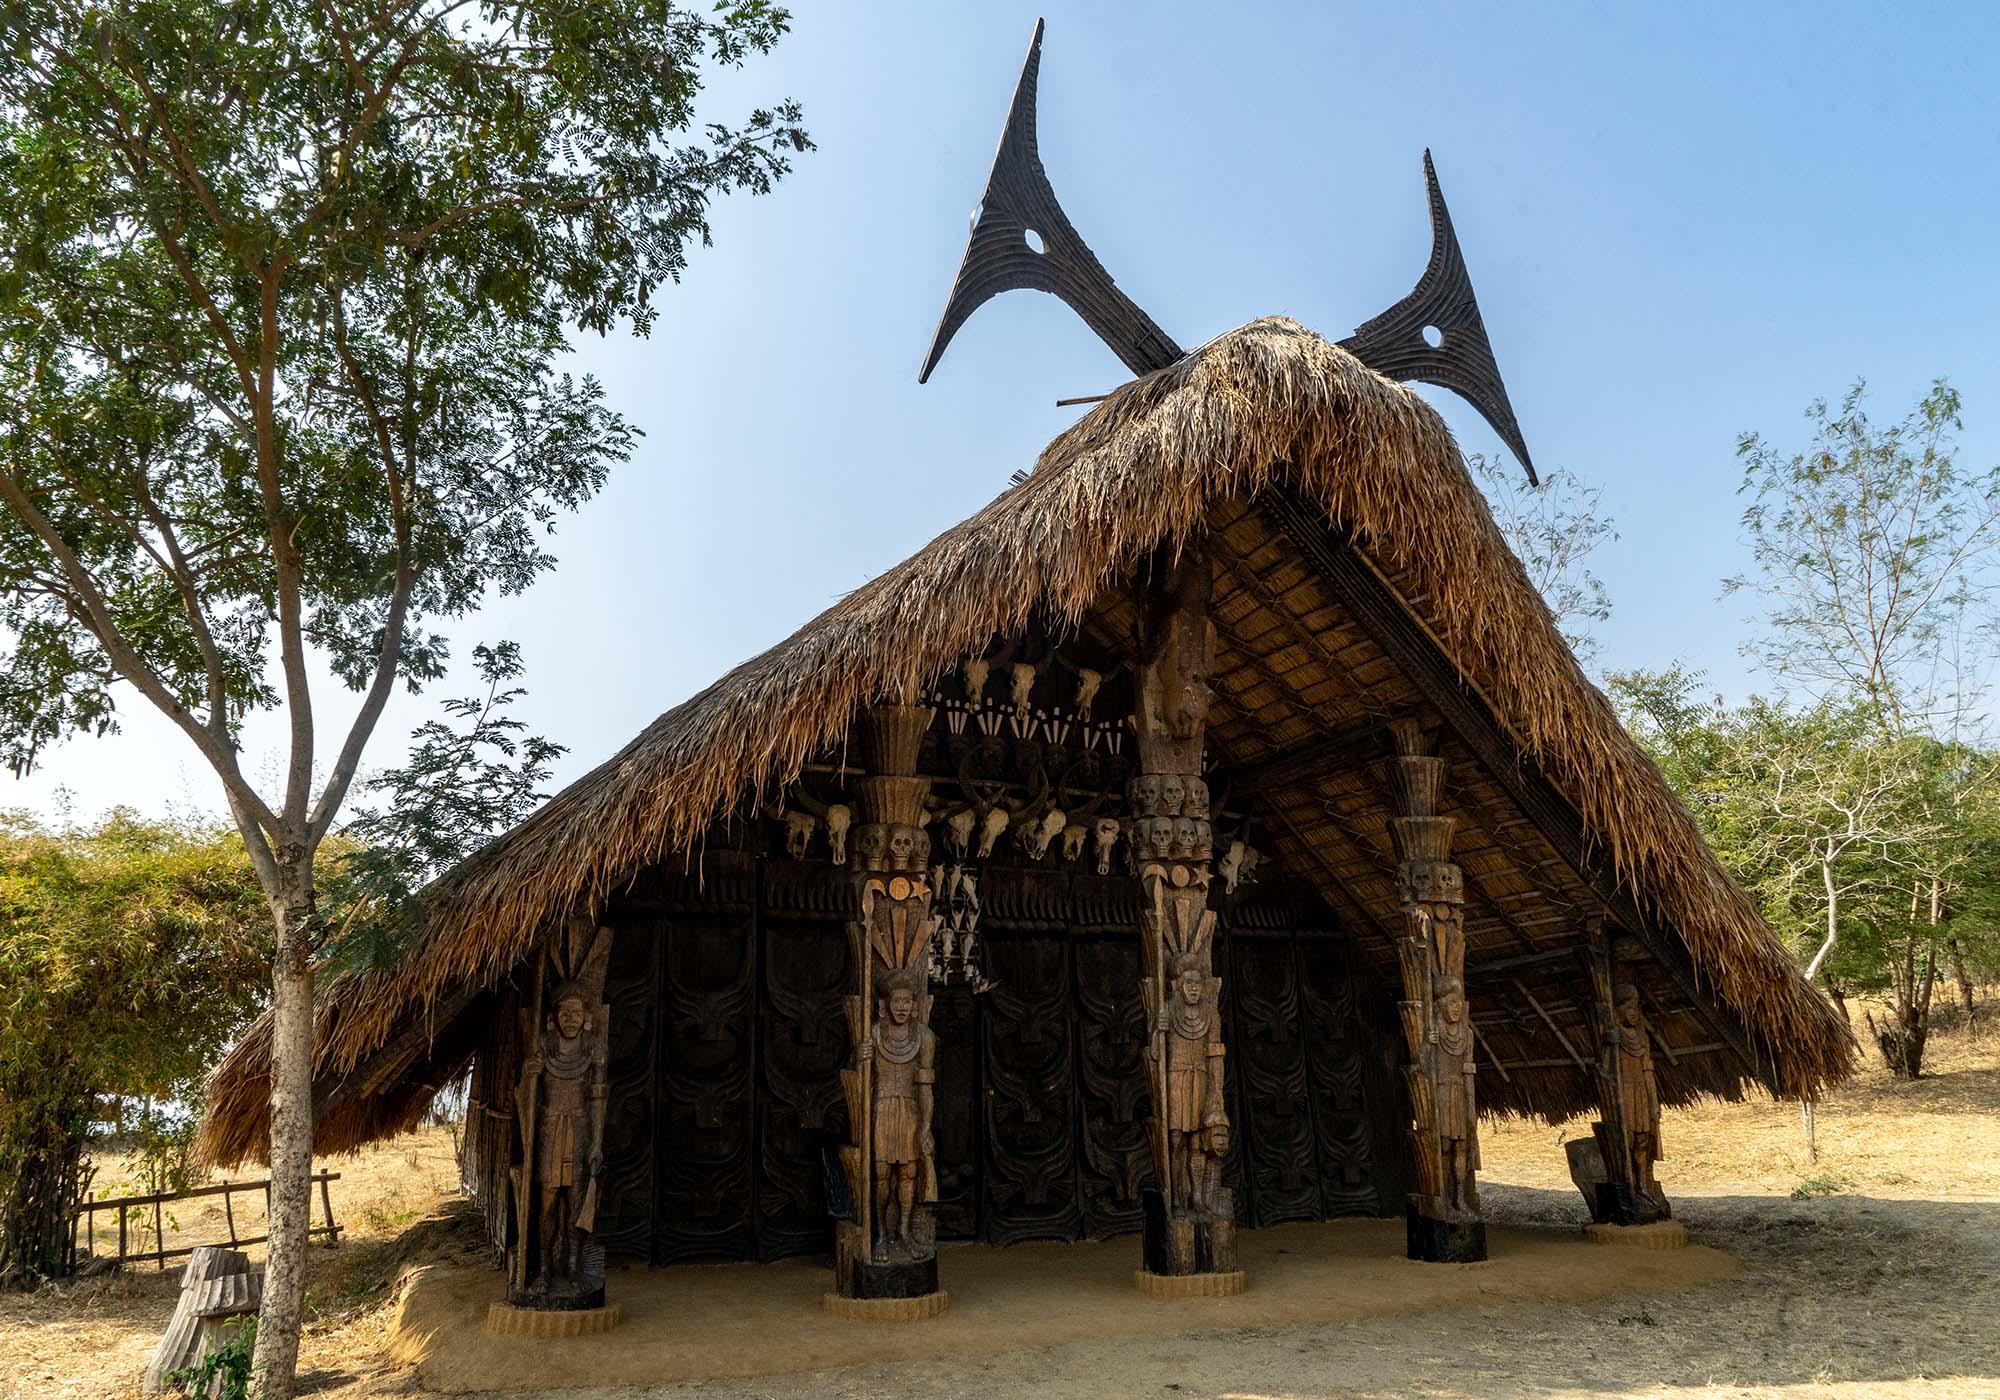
{"x": 1683, "y": 222}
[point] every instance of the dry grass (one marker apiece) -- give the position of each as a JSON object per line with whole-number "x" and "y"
{"x": 1873, "y": 1274}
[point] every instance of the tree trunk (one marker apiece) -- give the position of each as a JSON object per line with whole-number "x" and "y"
{"x": 277, "y": 1354}
{"x": 1955, "y": 960}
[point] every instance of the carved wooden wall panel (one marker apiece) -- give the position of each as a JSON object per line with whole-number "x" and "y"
{"x": 625, "y": 1215}
{"x": 1030, "y": 1117}
{"x": 1336, "y": 1062}
{"x": 803, "y": 1040}
{"x": 1116, "y": 1155}
{"x": 707, "y": 1129}
{"x": 1267, "y": 1042}
{"x": 955, "y": 1116}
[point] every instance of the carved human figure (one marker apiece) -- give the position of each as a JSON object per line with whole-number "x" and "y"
{"x": 1454, "y": 1104}
{"x": 902, "y": 1055}
{"x": 1638, "y": 1089}
{"x": 561, "y": 1102}
{"x": 1196, "y": 1123}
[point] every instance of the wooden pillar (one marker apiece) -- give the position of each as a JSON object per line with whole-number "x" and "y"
{"x": 889, "y": 1252}
{"x": 1190, "y": 1216}
{"x": 1628, "y": 1126}
{"x": 1443, "y": 1213}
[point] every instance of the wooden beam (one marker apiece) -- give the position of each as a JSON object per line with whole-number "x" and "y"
{"x": 1381, "y": 613}
{"x": 1304, "y": 761}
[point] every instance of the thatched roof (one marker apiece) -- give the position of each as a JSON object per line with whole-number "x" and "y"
{"x": 1268, "y": 410}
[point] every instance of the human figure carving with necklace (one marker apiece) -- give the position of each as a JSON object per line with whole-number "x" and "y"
{"x": 902, "y": 1054}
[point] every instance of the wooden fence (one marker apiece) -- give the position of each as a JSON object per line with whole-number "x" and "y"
{"x": 125, "y": 1206}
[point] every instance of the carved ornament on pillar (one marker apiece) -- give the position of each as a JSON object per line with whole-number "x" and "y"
{"x": 1190, "y": 1218}
{"x": 1628, "y": 1129}
{"x": 554, "y": 1261}
{"x": 890, "y": 1251}
{"x": 1443, "y": 1216}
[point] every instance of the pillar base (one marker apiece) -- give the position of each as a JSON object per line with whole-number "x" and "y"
{"x": 886, "y": 1309}
{"x": 866, "y": 1279}
{"x": 1615, "y": 1203}
{"x": 1658, "y": 1234}
{"x": 506, "y": 1320}
{"x": 1444, "y": 1241}
{"x": 1190, "y": 1285}
{"x": 1180, "y": 1245}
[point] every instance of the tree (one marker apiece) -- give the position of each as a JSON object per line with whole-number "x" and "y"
{"x": 1873, "y": 552}
{"x": 283, "y": 283}
{"x": 1869, "y": 548}
{"x": 130, "y": 955}
{"x": 1554, "y": 528}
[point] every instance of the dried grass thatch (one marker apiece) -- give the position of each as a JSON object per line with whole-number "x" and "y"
{"x": 1270, "y": 405}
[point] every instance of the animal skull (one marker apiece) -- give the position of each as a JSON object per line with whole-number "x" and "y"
{"x": 1230, "y": 867}
{"x": 958, "y": 830}
{"x": 1087, "y": 684}
{"x": 1252, "y": 858}
{"x": 1106, "y": 831}
{"x": 1036, "y": 836}
{"x": 799, "y": 833}
{"x": 1021, "y": 684}
{"x": 975, "y": 671}
{"x": 990, "y": 828}
{"x": 971, "y": 889}
{"x": 839, "y": 818}
{"x": 1073, "y": 837}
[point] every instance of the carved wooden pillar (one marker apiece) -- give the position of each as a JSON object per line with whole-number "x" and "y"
{"x": 555, "y": 1262}
{"x": 1190, "y": 1215}
{"x": 1628, "y": 1126}
{"x": 1443, "y": 1214}
{"x": 890, "y": 1250}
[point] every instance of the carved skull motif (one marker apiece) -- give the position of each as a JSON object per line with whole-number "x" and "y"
{"x": 871, "y": 843}
{"x": 1036, "y": 836}
{"x": 1187, "y": 833}
{"x": 799, "y": 828}
{"x": 839, "y": 819}
{"x": 1160, "y": 837}
{"x": 1173, "y": 793}
{"x": 1073, "y": 836}
{"x": 1105, "y": 832}
{"x": 958, "y": 831}
{"x": 990, "y": 830}
{"x": 1197, "y": 799}
{"x": 1145, "y": 795}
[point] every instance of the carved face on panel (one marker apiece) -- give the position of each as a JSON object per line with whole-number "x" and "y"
{"x": 571, "y": 1017}
{"x": 902, "y": 1005}
{"x": 1451, "y": 1000}
{"x": 1630, "y": 1016}
{"x": 1145, "y": 794}
{"x": 1190, "y": 983}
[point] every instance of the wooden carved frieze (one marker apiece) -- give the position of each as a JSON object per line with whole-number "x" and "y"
{"x": 706, "y": 1144}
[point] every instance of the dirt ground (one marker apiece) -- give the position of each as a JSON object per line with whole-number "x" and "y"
{"x": 1873, "y": 1272}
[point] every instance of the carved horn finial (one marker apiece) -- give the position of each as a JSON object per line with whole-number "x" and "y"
{"x": 1393, "y": 343}
{"x": 999, "y": 256}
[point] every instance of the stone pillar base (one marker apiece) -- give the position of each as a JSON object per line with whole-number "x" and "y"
{"x": 1445, "y": 1241}
{"x": 506, "y": 1320}
{"x": 1659, "y": 1234}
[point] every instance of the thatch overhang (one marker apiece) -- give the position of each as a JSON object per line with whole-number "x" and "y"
{"x": 1359, "y": 578}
